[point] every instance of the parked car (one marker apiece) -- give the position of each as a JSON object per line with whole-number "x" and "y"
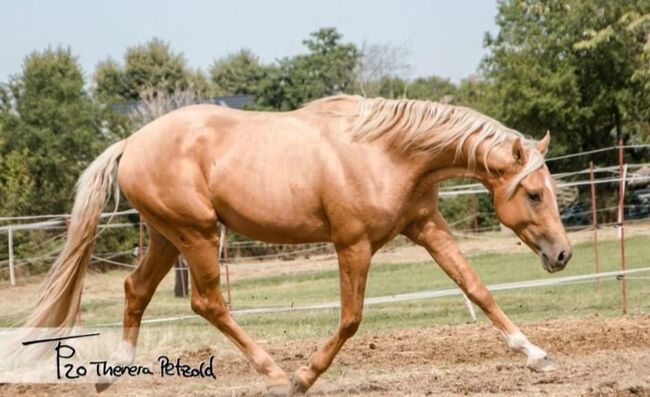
{"x": 639, "y": 206}
{"x": 576, "y": 215}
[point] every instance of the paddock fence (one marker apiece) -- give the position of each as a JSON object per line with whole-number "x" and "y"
{"x": 596, "y": 203}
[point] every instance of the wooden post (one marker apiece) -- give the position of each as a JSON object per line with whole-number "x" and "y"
{"x": 184, "y": 275}
{"x": 10, "y": 241}
{"x": 621, "y": 219}
{"x": 180, "y": 278}
{"x": 594, "y": 216}
{"x": 224, "y": 259}
{"x": 474, "y": 213}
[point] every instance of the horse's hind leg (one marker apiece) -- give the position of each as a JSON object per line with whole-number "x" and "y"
{"x": 139, "y": 287}
{"x": 200, "y": 251}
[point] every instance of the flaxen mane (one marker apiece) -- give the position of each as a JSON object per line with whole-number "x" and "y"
{"x": 431, "y": 126}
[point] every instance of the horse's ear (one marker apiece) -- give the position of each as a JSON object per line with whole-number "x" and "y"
{"x": 518, "y": 152}
{"x": 542, "y": 145}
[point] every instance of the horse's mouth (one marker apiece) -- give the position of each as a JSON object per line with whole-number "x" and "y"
{"x": 548, "y": 266}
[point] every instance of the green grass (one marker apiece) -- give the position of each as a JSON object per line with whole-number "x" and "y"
{"x": 101, "y": 305}
{"x": 387, "y": 279}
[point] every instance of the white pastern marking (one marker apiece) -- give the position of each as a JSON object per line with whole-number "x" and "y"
{"x": 518, "y": 342}
{"x": 124, "y": 354}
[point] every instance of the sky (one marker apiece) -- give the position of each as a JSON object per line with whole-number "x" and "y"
{"x": 442, "y": 37}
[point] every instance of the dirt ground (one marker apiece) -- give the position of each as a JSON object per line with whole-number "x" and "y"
{"x": 597, "y": 357}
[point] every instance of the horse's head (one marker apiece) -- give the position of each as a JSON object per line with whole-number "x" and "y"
{"x": 524, "y": 201}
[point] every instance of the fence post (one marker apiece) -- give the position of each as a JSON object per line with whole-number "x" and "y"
{"x": 621, "y": 219}
{"x": 594, "y": 216}
{"x": 223, "y": 240}
{"x": 474, "y": 213}
{"x": 10, "y": 242}
{"x": 180, "y": 278}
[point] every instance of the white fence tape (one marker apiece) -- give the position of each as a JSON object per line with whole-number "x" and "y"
{"x": 412, "y": 296}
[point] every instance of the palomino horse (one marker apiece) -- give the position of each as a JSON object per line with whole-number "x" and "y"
{"x": 350, "y": 170}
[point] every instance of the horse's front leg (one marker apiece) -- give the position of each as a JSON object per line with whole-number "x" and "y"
{"x": 354, "y": 262}
{"x": 434, "y": 235}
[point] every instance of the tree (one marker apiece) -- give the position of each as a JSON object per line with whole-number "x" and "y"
{"x": 16, "y": 182}
{"x": 110, "y": 83}
{"x": 631, "y": 32}
{"x": 478, "y": 94}
{"x": 431, "y": 88}
{"x": 156, "y": 103}
{"x": 238, "y": 73}
{"x": 151, "y": 65}
{"x": 378, "y": 65}
{"x": 328, "y": 68}
{"x": 51, "y": 129}
{"x": 198, "y": 83}
{"x": 545, "y": 76}
{"x": 392, "y": 87}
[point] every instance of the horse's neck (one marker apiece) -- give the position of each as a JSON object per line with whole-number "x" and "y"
{"x": 447, "y": 165}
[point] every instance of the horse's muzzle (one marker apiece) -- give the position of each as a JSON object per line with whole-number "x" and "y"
{"x": 557, "y": 263}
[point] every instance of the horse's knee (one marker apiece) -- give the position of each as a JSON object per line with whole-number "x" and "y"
{"x": 350, "y": 325}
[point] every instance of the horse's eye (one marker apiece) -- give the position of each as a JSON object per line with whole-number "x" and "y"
{"x": 534, "y": 197}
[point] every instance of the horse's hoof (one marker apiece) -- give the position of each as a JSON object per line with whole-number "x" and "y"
{"x": 280, "y": 390}
{"x": 298, "y": 385}
{"x": 544, "y": 364}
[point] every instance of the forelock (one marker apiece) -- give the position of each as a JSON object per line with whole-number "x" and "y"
{"x": 535, "y": 162}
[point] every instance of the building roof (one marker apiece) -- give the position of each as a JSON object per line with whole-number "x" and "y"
{"x": 231, "y": 101}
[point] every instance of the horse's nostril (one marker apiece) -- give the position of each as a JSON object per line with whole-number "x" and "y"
{"x": 562, "y": 257}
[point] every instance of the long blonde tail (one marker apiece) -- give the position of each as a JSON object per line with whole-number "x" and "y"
{"x": 60, "y": 298}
